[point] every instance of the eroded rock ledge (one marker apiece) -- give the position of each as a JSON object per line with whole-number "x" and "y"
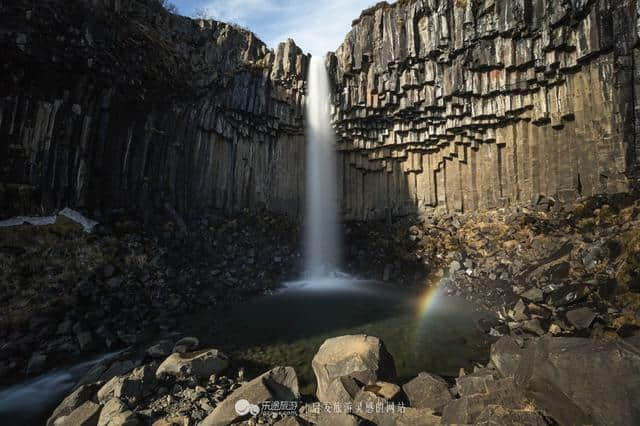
{"x": 474, "y": 104}
{"x": 110, "y": 104}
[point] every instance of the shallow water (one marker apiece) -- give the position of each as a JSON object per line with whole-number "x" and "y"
{"x": 424, "y": 332}
{"x": 31, "y": 402}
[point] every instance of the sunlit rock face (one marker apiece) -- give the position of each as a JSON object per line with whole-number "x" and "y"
{"x": 457, "y": 105}
{"x": 110, "y": 104}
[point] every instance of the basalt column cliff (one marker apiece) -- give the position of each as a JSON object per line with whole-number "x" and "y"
{"x": 112, "y": 104}
{"x": 452, "y": 105}
{"x": 472, "y": 104}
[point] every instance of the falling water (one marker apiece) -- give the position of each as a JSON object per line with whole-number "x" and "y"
{"x": 322, "y": 251}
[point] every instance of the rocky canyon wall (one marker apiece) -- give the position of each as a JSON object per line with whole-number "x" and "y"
{"x": 440, "y": 105}
{"x": 456, "y": 105}
{"x": 118, "y": 104}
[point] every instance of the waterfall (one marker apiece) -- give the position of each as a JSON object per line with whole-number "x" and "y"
{"x": 321, "y": 215}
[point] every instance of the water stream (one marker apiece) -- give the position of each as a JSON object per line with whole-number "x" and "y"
{"x": 322, "y": 251}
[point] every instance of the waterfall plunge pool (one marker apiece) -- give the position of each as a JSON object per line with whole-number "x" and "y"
{"x": 425, "y": 331}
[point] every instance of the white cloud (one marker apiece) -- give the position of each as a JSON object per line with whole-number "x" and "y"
{"x": 317, "y": 26}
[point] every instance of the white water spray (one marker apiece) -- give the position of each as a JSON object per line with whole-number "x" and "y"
{"x": 321, "y": 218}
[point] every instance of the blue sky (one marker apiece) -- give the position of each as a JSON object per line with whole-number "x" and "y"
{"x": 317, "y": 26}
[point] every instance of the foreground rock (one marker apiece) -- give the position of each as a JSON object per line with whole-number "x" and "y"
{"x": 583, "y": 381}
{"x": 279, "y": 384}
{"x": 343, "y": 364}
{"x": 428, "y": 391}
{"x": 199, "y": 364}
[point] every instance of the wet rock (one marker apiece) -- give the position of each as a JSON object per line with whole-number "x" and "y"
{"x": 454, "y": 267}
{"x": 581, "y": 318}
{"x": 278, "y": 384}
{"x": 86, "y": 414}
{"x": 200, "y": 364}
{"x": 361, "y": 357}
{"x": 116, "y": 413}
{"x": 427, "y": 391}
{"x": 74, "y": 400}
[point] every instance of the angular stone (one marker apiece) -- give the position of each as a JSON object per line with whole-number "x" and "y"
{"x": 86, "y": 414}
{"x": 533, "y": 326}
{"x": 116, "y": 413}
{"x": 427, "y": 391}
{"x": 520, "y": 311}
{"x": 379, "y": 411}
{"x": 581, "y": 318}
{"x": 386, "y": 390}
{"x": 121, "y": 387}
{"x": 534, "y": 295}
{"x": 200, "y": 364}
{"x": 506, "y": 355}
{"x": 78, "y": 397}
{"x": 583, "y": 381}
{"x": 278, "y": 384}
{"x": 496, "y": 415}
{"x": 363, "y": 358}
{"x": 467, "y": 409}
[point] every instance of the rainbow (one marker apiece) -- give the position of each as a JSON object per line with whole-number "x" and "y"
{"x": 426, "y": 300}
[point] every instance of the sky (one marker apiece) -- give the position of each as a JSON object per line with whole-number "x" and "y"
{"x": 317, "y": 26}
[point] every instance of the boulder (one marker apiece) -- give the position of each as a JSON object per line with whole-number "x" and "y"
{"x": 496, "y": 415}
{"x": 126, "y": 388}
{"x": 583, "y": 381}
{"x": 386, "y": 390}
{"x": 86, "y": 414}
{"x": 278, "y": 384}
{"x": 116, "y": 413}
{"x": 581, "y": 318}
{"x": 78, "y": 397}
{"x": 359, "y": 357}
{"x": 467, "y": 409}
{"x": 506, "y": 355}
{"x": 427, "y": 391}
{"x": 201, "y": 364}
{"x": 379, "y": 411}
{"x": 533, "y": 295}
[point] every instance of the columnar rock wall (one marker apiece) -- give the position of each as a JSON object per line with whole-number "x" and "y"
{"x": 111, "y": 104}
{"x": 458, "y": 105}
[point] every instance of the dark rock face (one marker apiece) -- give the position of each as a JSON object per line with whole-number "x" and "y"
{"x": 581, "y": 381}
{"x": 446, "y": 105}
{"x": 120, "y": 104}
{"x": 475, "y": 104}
